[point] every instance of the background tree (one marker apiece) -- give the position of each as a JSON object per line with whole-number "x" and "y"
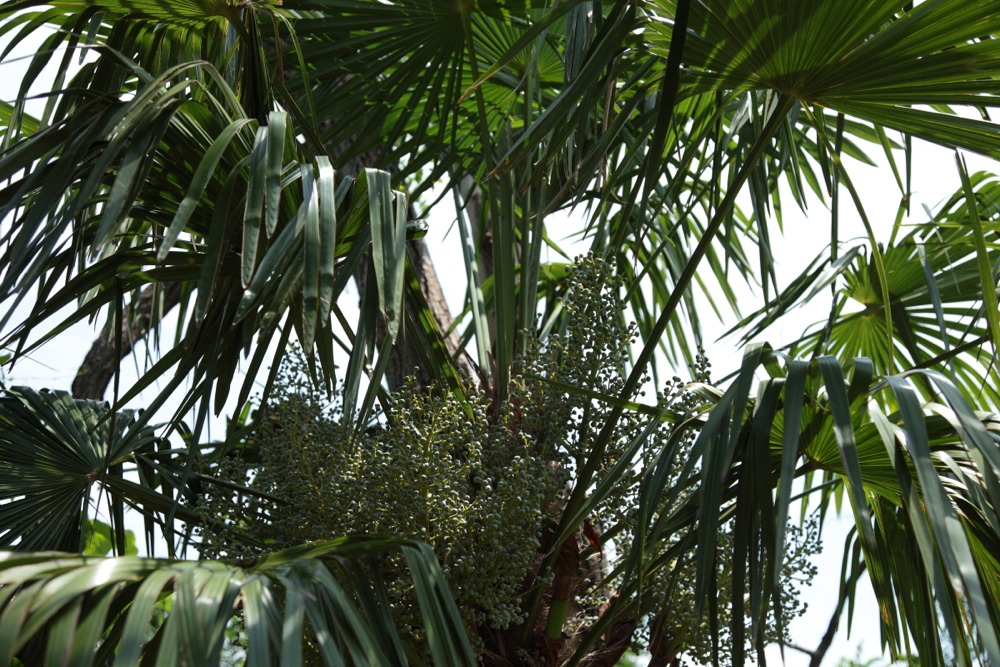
{"x": 190, "y": 158}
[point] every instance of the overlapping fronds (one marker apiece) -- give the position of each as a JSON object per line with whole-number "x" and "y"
{"x": 921, "y": 482}
{"x": 321, "y": 603}
{"x": 249, "y": 156}
{"x": 54, "y": 452}
{"x": 144, "y": 178}
{"x": 933, "y": 275}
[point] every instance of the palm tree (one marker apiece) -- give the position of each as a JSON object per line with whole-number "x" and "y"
{"x": 242, "y": 161}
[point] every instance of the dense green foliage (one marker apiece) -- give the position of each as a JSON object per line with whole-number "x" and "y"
{"x": 476, "y": 479}
{"x": 240, "y": 162}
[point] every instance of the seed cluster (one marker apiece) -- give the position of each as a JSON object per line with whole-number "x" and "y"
{"x": 451, "y": 474}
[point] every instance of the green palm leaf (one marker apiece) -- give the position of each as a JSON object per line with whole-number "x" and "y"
{"x": 56, "y": 453}
{"x": 181, "y": 143}
{"x": 863, "y": 58}
{"x": 933, "y": 275}
{"x": 929, "y": 472}
{"x": 183, "y": 608}
{"x": 218, "y": 147}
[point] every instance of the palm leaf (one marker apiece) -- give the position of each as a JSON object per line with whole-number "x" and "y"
{"x": 60, "y": 599}
{"x": 114, "y": 196}
{"x": 933, "y": 276}
{"x": 55, "y": 451}
{"x": 891, "y": 462}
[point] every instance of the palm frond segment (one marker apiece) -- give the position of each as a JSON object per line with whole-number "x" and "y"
{"x": 175, "y": 183}
{"x": 922, "y": 481}
{"x": 54, "y": 452}
{"x": 323, "y": 602}
{"x": 870, "y": 59}
{"x": 934, "y": 276}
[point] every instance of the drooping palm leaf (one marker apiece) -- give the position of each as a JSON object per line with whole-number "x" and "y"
{"x": 930, "y": 473}
{"x": 55, "y": 607}
{"x": 165, "y": 178}
{"x": 166, "y": 161}
{"x": 933, "y": 277}
{"x": 749, "y": 51}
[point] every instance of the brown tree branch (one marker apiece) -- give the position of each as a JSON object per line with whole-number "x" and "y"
{"x": 103, "y": 359}
{"x": 820, "y": 652}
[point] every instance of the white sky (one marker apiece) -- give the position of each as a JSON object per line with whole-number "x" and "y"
{"x": 934, "y": 179}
